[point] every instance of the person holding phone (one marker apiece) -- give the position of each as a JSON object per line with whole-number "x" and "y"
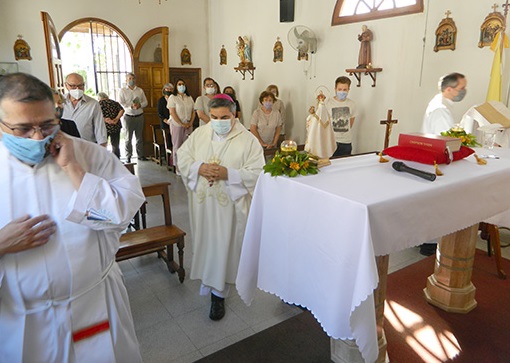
{"x": 65, "y": 202}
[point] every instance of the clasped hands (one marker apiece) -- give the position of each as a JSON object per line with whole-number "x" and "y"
{"x": 213, "y": 172}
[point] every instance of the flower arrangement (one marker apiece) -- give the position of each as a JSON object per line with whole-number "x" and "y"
{"x": 291, "y": 164}
{"x": 468, "y": 140}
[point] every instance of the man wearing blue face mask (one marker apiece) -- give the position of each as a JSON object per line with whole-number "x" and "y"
{"x": 342, "y": 111}
{"x": 438, "y": 115}
{"x": 64, "y": 203}
{"x": 220, "y": 163}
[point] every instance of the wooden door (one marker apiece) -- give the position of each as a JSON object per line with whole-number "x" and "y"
{"x": 151, "y": 70}
{"x": 193, "y": 79}
{"x": 53, "y": 53}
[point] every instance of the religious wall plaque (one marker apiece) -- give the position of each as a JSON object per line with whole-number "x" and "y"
{"x": 490, "y": 27}
{"x": 446, "y": 34}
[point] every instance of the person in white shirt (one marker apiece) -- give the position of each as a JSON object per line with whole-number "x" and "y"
{"x": 180, "y": 104}
{"x": 133, "y": 99}
{"x": 438, "y": 115}
{"x": 84, "y": 111}
{"x": 438, "y": 118}
{"x": 64, "y": 203}
{"x": 202, "y": 102}
{"x": 220, "y": 164}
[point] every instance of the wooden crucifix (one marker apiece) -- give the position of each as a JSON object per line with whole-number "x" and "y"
{"x": 389, "y": 124}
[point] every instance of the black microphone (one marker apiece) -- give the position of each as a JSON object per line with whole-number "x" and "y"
{"x": 400, "y": 166}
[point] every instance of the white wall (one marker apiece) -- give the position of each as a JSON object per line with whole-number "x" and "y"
{"x": 187, "y": 24}
{"x": 205, "y": 25}
{"x": 397, "y": 48}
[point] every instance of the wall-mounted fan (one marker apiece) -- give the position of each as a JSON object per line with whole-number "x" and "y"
{"x": 302, "y": 39}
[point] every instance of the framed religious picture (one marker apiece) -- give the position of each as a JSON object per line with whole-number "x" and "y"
{"x": 446, "y": 34}
{"x": 278, "y": 51}
{"x": 185, "y": 56}
{"x": 223, "y": 56}
{"x": 8, "y": 67}
{"x": 21, "y": 49}
{"x": 490, "y": 27}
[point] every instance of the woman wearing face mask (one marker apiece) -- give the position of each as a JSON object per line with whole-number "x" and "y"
{"x": 279, "y": 107}
{"x": 164, "y": 112}
{"x": 232, "y": 93}
{"x": 211, "y": 88}
{"x": 180, "y": 104}
{"x": 266, "y": 123}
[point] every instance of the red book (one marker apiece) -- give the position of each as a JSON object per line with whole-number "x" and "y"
{"x": 431, "y": 142}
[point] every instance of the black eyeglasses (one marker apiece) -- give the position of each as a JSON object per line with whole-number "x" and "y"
{"x": 29, "y": 131}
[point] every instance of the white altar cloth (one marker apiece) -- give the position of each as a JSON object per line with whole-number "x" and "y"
{"x": 312, "y": 240}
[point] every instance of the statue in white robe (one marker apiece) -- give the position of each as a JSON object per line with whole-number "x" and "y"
{"x": 320, "y": 140}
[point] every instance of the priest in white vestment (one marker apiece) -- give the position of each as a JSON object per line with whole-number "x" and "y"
{"x": 219, "y": 164}
{"x": 63, "y": 205}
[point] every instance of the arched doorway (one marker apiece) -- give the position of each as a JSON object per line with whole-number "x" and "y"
{"x": 99, "y": 51}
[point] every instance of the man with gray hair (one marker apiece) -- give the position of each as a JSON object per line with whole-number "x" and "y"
{"x": 83, "y": 110}
{"x": 133, "y": 99}
{"x": 64, "y": 203}
{"x": 439, "y": 116}
{"x": 220, "y": 163}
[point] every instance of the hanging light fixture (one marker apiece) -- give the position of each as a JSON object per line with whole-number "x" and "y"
{"x": 140, "y": 2}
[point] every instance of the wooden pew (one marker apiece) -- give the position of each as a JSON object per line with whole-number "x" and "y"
{"x": 158, "y": 239}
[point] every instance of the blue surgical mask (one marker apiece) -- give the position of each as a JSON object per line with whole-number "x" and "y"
{"x": 342, "y": 95}
{"x": 181, "y": 88}
{"x": 268, "y": 105}
{"x": 28, "y": 150}
{"x": 131, "y": 83}
{"x": 460, "y": 96}
{"x": 221, "y": 127}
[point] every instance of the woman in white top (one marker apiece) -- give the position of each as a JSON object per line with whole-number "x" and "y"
{"x": 211, "y": 88}
{"x": 278, "y": 106}
{"x": 180, "y": 104}
{"x": 266, "y": 123}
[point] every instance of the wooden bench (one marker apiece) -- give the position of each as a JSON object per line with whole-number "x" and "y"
{"x": 158, "y": 239}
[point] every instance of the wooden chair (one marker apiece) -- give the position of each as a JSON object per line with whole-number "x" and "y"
{"x": 168, "y": 152}
{"x": 158, "y": 239}
{"x": 157, "y": 143}
{"x": 490, "y": 233}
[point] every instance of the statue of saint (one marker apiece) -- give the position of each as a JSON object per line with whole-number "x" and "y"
{"x": 365, "y": 55}
{"x": 278, "y": 51}
{"x": 223, "y": 55}
{"x": 247, "y": 49}
{"x": 241, "y": 45}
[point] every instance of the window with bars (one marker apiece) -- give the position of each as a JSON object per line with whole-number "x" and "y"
{"x": 352, "y": 11}
{"x": 99, "y": 53}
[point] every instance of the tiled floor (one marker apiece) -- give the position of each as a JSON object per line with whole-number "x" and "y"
{"x": 172, "y": 320}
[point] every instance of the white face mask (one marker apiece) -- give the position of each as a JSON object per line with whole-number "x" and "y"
{"x": 181, "y": 88}
{"x": 221, "y": 127}
{"x": 76, "y": 93}
{"x": 210, "y": 90}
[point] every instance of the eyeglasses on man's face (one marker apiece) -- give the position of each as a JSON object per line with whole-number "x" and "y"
{"x": 26, "y": 131}
{"x": 76, "y": 86}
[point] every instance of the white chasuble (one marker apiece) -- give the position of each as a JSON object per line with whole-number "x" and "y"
{"x": 65, "y": 301}
{"x": 217, "y": 221}
{"x": 320, "y": 140}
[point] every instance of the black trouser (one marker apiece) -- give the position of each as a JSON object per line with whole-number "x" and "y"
{"x": 115, "y": 141}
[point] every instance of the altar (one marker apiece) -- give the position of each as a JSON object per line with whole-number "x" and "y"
{"x": 315, "y": 241}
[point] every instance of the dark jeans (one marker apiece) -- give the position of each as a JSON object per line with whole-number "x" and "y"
{"x": 342, "y": 149}
{"x": 115, "y": 141}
